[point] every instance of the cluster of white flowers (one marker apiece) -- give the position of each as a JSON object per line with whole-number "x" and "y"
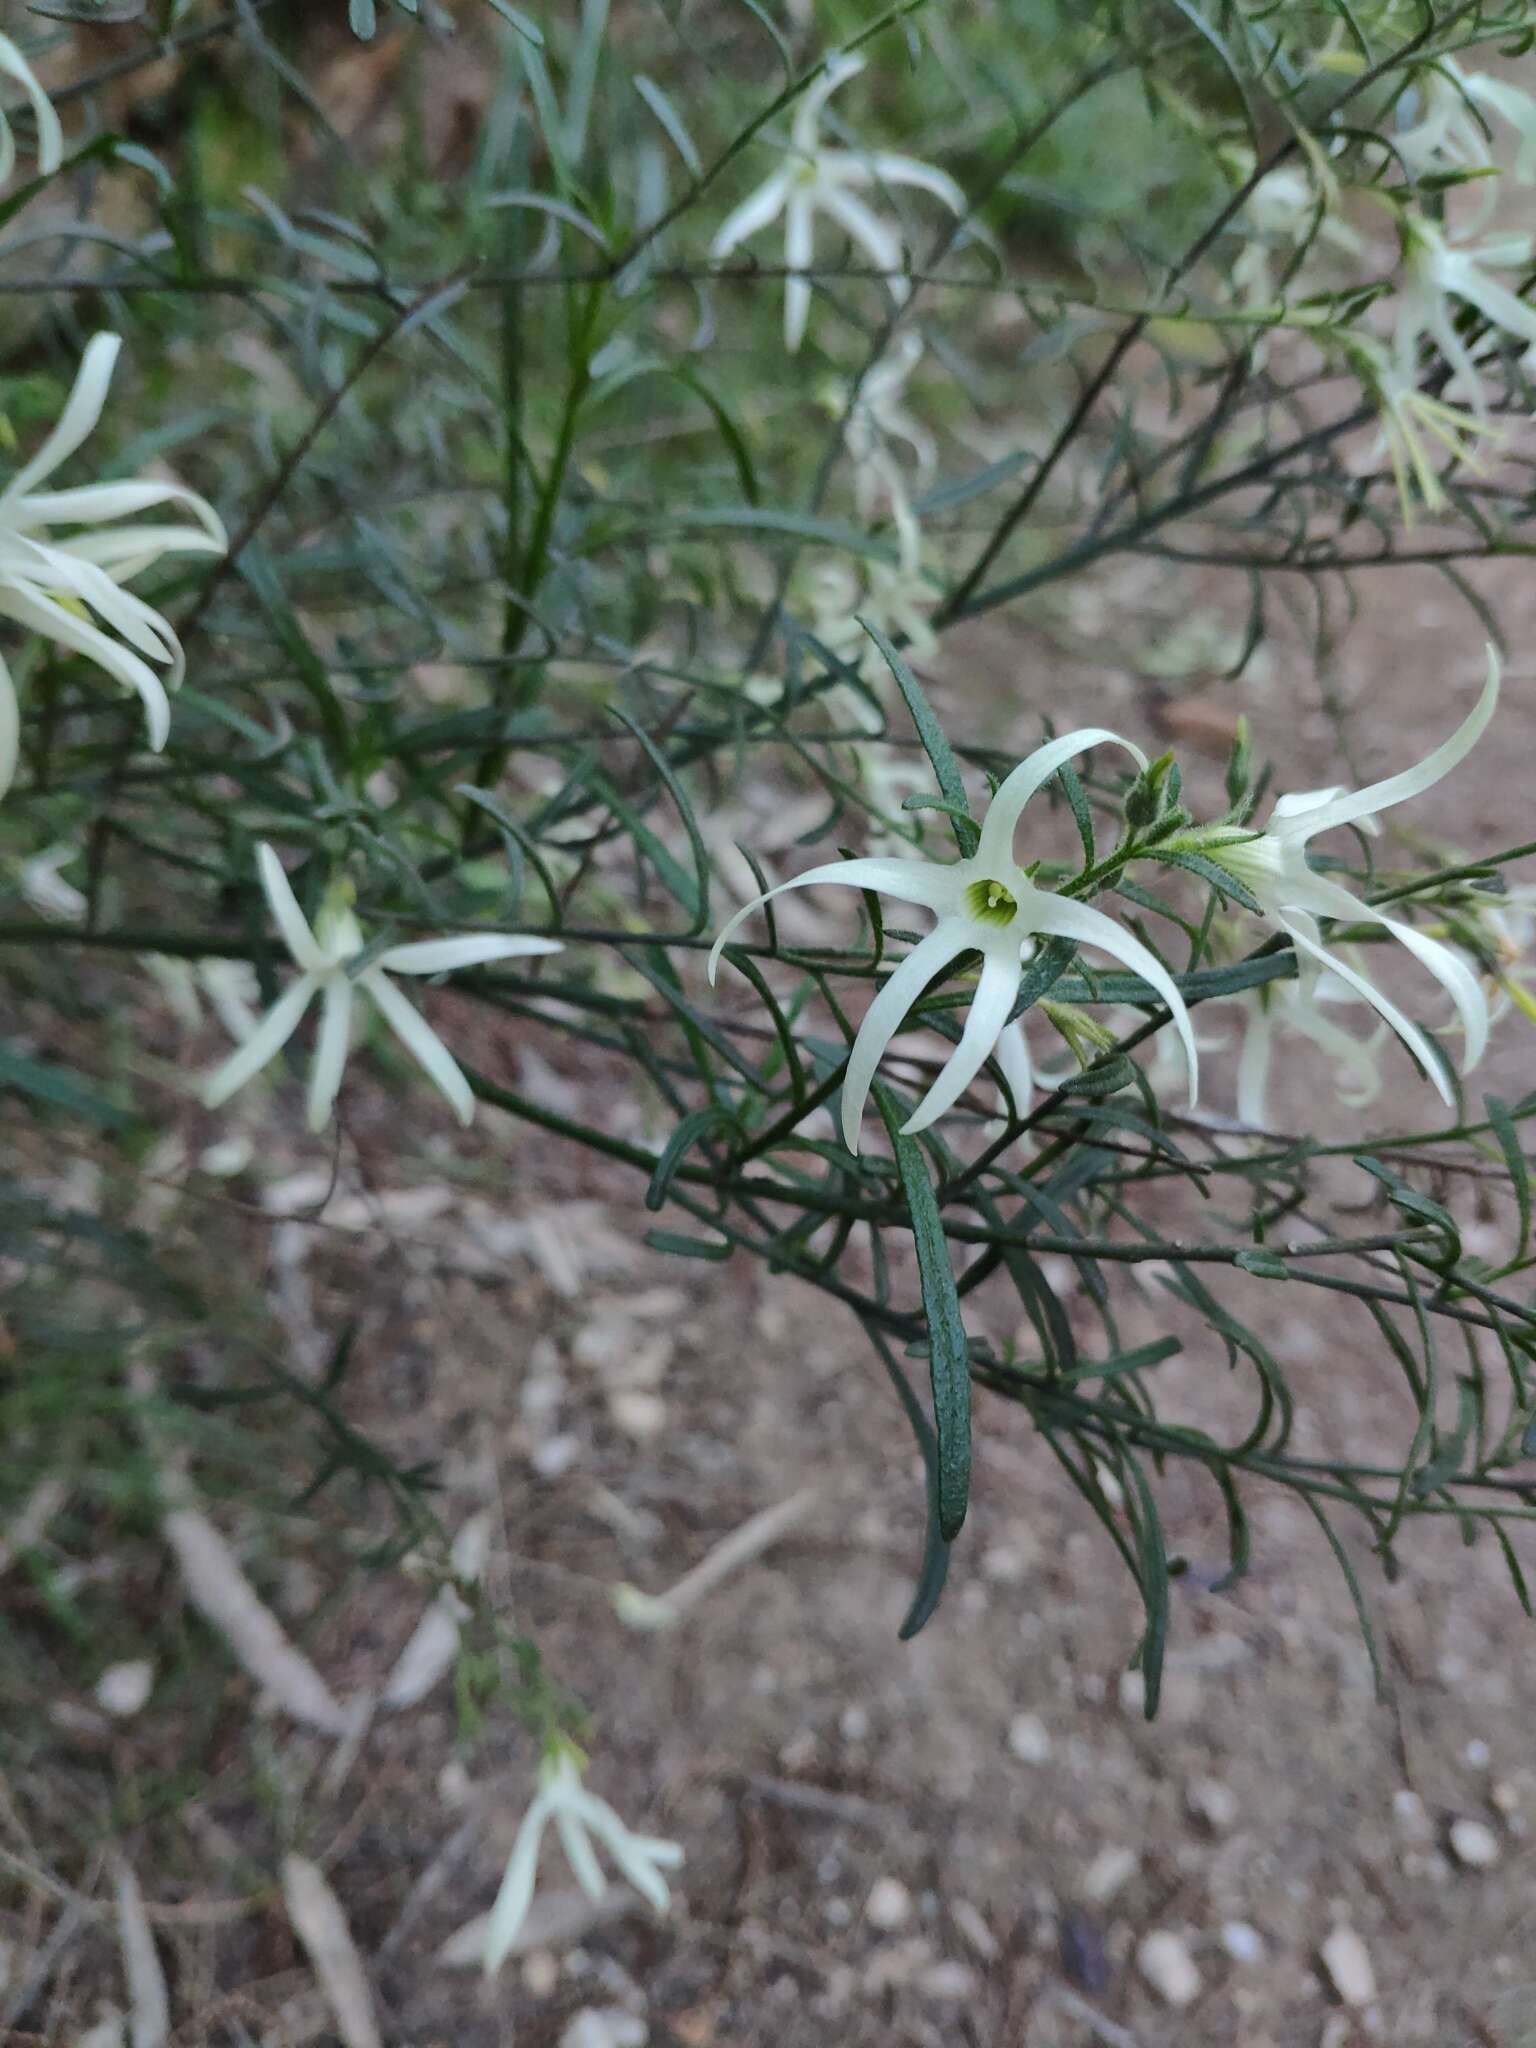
{"x": 987, "y": 904}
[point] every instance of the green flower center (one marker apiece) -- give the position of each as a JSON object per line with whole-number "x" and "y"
{"x": 992, "y": 902}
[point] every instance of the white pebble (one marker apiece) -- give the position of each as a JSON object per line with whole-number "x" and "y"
{"x": 122, "y": 1689}
{"x": 1169, "y": 1968}
{"x": 1474, "y": 1844}
{"x": 605, "y": 2027}
{"x": 889, "y": 1904}
{"x": 1109, "y": 1872}
{"x": 1213, "y": 1803}
{"x": 952, "y": 1982}
{"x": 1412, "y": 1821}
{"x": 1347, "y": 1961}
{"x": 1476, "y": 1755}
{"x": 1029, "y": 1739}
{"x": 1244, "y": 1944}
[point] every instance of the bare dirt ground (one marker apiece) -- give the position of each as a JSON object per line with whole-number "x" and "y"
{"x": 974, "y": 1837}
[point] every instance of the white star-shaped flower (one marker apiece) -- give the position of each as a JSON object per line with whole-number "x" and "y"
{"x": 817, "y": 178}
{"x": 579, "y": 1816}
{"x": 1273, "y": 866}
{"x": 50, "y": 136}
{"x": 52, "y": 586}
{"x": 1448, "y": 129}
{"x": 1437, "y": 273}
{"x": 986, "y": 904}
{"x": 324, "y": 956}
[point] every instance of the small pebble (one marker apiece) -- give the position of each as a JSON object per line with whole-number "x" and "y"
{"x": 1347, "y": 1962}
{"x": 605, "y": 2027}
{"x": 1029, "y": 1739}
{"x": 541, "y": 1973}
{"x": 122, "y": 1689}
{"x": 854, "y": 1724}
{"x": 1477, "y": 1755}
{"x": 1244, "y": 1944}
{"x": 1169, "y": 1968}
{"x": 889, "y": 1904}
{"x": 1212, "y": 1803}
{"x": 973, "y": 1927}
{"x": 1412, "y": 1820}
{"x": 1474, "y": 1844}
{"x": 1109, "y": 1872}
{"x": 953, "y": 1982}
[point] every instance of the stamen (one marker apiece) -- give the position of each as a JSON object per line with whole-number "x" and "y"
{"x": 992, "y": 902}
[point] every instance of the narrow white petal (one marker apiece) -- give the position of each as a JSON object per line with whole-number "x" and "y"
{"x": 580, "y": 1854}
{"x": 88, "y": 504}
{"x": 330, "y": 1050}
{"x": 1090, "y": 927}
{"x": 892, "y": 169}
{"x": 1015, "y": 790}
{"x": 10, "y": 727}
{"x": 880, "y": 242}
{"x": 1014, "y": 1057}
{"x": 516, "y": 1893}
{"x": 473, "y": 949}
{"x": 264, "y": 1043}
{"x": 626, "y": 1851}
{"x": 884, "y": 1016}
{"x": 1379, "y": 796}
{"x": 928, "y": 883}
{"x": 1409, "y": 1033}
{"x": 799, "y": 248}
{"x": 423, "y": 1044}
{"x": 753, "y": 214}
{"x": 30, "y": 608}
{"x": 1497, "y": 303}
{"x": 837, "y": 71}
{"x": 50, "y": 136}
{"x": 988, "y": 1014}
{"x": 1332, "y": 899}
{"x": 82, "y": 409}
{"x": 129, "y": 550}
{"x": 1254, "y": 1060}
{"x": 292, "y": 925}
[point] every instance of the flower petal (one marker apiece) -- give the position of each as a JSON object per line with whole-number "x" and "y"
{"x": 1410, "y": 1034}
{"x": 292, "y": 925}
{"x": 330, "y": 1050}
{"x": 799, "y": 248}
{"x": 1332, "y": 899}
{"x": 1253, "y": 1061}
{"x": 1017, "y": 1062}
{"x": 999, "y": 984}
{"x": 883, "y": 1018}
{"x": 1347, "y": 808}
{"x": 1090, "y": 927}
{"x": 580, "y": 1854}
{"x": 264, "y": 1043}
{"x": 31, "y": 608}
{"x": 892, "y": 169}
{"x": 472, "y": 949}
{"x": 1015, "y": 790}
{"x": 423, "y": 1044}
{"x": 50, "y": 135}
{"x": 835, "y": 72}
{"x": 929, "y": 883}
{"x": 516, "y": 1893}
{"x": 880, "y": 242}
{"x": 753, "y": 214}
{"x": 88, "y": 504}
{"x": 82, "y": 409}
{"x": 10, "y": 727}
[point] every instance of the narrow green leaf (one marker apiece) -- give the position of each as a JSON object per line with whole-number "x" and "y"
{"x": 674, "y": 789}
{"x": 672, "y": 121}
{"x": 682, "y": 1140}
{"x": 948, "y": 1353}
{"x": 1503, "y": 1127}
{"x": 945, "y": 768}
{"x": 715, "y": 1250}
{"x": 60, "y": 1088}
{"x": 934, "y": 1568}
